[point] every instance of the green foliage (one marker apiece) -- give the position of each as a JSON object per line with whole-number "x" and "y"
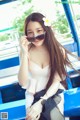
{"x": 24, "y": 1}
{"x": 4, "y": 37}
{"x": 18, "y": 22}
{"x": 61, "y": 24}
{"x": 78, "y": 16}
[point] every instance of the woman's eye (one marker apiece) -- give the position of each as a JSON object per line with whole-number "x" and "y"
{"x": 39, "y": 31}
{"x": 30, "y": 34}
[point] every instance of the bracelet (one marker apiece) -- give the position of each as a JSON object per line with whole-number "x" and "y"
{"x": 43, "y": 100}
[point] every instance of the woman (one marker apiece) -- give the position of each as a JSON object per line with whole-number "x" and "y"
{"x": 42, "y": 69}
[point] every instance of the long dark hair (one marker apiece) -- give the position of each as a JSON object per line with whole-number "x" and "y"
{"x": 57, "y": 61}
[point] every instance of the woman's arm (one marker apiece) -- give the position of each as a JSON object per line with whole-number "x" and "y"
{"x": 23, "y": 70}
{"x": 53, "y": 88}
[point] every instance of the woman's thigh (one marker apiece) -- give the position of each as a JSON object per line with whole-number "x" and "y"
{"x": 55, "y": 114}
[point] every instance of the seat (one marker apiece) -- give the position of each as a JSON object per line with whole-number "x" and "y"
{"x": 72, "y": 97}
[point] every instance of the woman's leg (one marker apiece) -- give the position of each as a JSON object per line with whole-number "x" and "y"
{"x": 55, "y": 114}
{"x": 61, "y": 105}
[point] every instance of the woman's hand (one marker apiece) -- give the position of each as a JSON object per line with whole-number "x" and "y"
{"x": 24, "y": 45}
{"x": 33, "y": 112}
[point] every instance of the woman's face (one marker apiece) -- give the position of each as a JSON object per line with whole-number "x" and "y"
{"x": 35, "y": 30}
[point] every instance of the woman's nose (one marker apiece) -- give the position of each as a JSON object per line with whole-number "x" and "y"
{"x": 35, "y": 34}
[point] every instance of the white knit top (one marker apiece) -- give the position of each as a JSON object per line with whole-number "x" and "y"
{"x": 38, "y": 77}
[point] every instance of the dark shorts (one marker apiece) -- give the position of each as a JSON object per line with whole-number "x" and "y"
{"x": 50, "y": 110}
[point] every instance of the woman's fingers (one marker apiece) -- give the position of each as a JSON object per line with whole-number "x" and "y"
{"x": 33, "y": 116}
{"x": 23, "y": 40}
{"x": 24, "y": 44}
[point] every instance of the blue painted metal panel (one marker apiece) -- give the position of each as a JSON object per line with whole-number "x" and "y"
{"x": 12, "y": 101}
{"x": 72, "y": 98}
{"x": 69, "y": 84}
{"x": 16, "y": 110}
{"x": 12, "y": 92}
{"x": 75, "y": 81}
{"x": 0, "y": 98}
{"x": 71, "y": 47}
{"x": 6, "y": 1}
{"x": 72, "y": 102}
{"x": 10, "y": 62}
